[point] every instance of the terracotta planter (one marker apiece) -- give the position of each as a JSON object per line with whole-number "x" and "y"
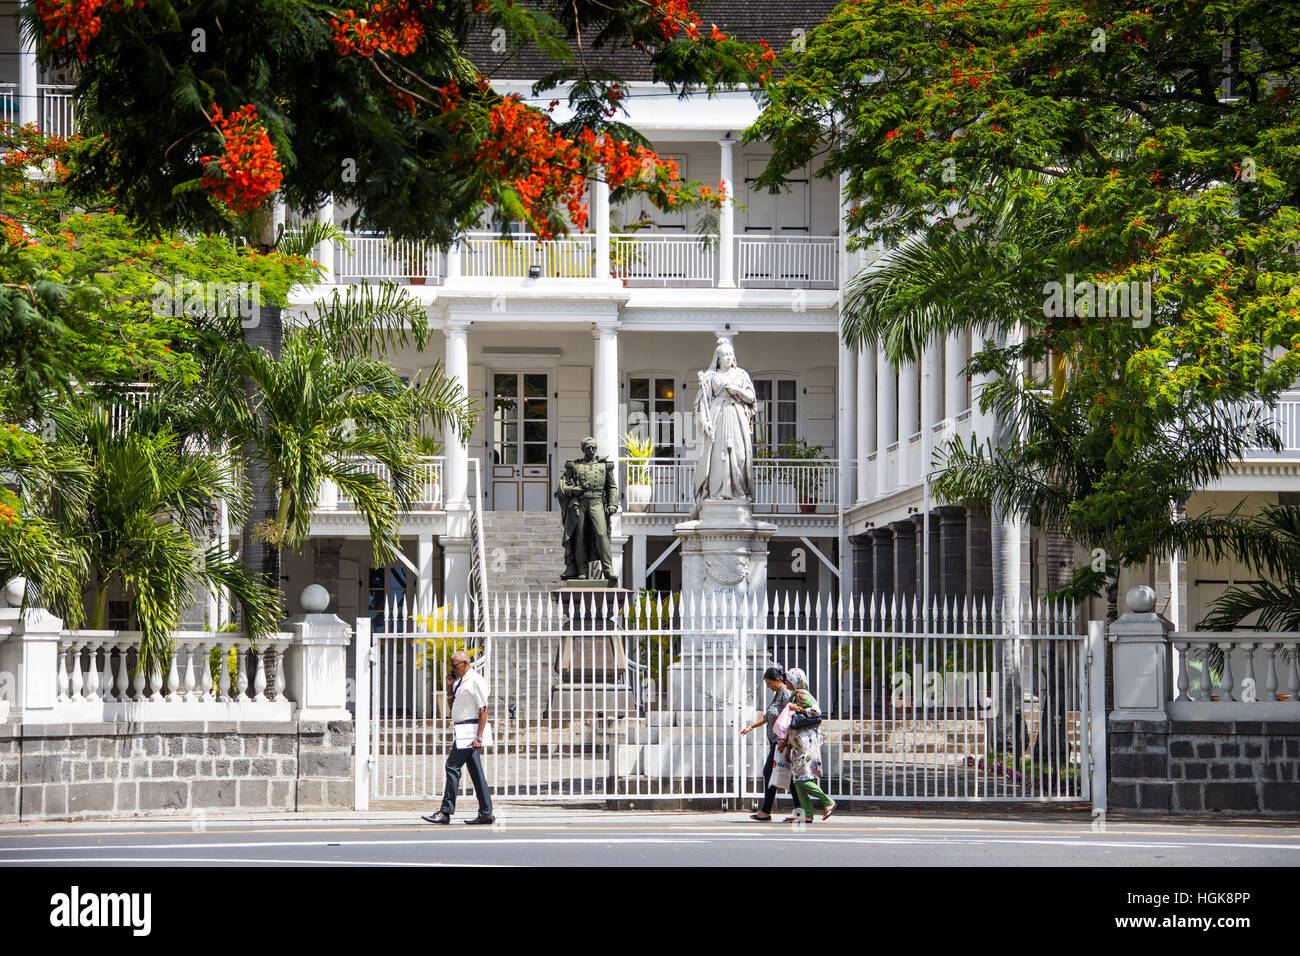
{"x": 808, "y": 507}
{"x": 415, "y": 280}
{"x": 1282, "y": 696}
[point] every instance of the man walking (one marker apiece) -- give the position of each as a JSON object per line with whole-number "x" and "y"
{"x": 467, "y": 698}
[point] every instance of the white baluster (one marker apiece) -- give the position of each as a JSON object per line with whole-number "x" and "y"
{"x": 155, "y": 681}
{"x": 139, "y": 682}
{"x": 92, "y": 672}
{"x": 123, "y": 677}
{"x": 106, "y": 678}
{"x": 223, "y": 674}
{"x": 259, "y": 674}
{"x": 173, "y": 678}
{"x": 77, "y": 681}
{"x": 205, "y": 671}
{"x": 62, "y": 677}
{"x": 1225, "y": 692}
{"x": 1250, "y": 669}
{"x": 1182, "y": 671}
{"x": 190, "y": 683}
{"x": 280, "y": 682}
{"x": 1270, "y": 677}
{"x": 241, "y": 675}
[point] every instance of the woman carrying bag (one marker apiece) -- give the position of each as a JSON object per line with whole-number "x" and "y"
{"x": 774, "y": 678}
{"x": 804, "y": 747}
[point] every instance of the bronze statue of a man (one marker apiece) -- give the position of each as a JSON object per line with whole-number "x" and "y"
{"x": 588, "y": 497}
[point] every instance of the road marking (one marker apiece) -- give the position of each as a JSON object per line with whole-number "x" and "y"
{"x": 249, "y": 860}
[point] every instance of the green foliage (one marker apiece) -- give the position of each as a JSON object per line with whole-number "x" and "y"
{"x": 799, "y": 467}
{"x": 656, "y": 650}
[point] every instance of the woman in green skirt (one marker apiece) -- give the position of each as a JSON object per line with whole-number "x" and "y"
{"x": 805, "y": 750}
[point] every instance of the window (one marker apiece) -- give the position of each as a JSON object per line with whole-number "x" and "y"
{"x": 386, "y": 599}
{"x": 784, "y": 213}
{"x": 118, "y": 617}
{"x": 777, "y": 407}
{"x": 651, "y": 405}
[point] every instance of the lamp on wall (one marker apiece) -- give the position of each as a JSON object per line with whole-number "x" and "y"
{"x": 534, "y": 272}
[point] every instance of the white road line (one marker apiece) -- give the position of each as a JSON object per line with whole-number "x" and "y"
{"x": 727, "y": 837}
{"x": 253, "y": 860}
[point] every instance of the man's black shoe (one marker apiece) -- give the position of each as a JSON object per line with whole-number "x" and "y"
{"x": 481, "y": 819}
{"x": 438, "y": 817}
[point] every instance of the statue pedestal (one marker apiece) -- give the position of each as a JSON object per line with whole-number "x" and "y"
{"x": 591, "y": 670}
{"x": 714, "y": 687}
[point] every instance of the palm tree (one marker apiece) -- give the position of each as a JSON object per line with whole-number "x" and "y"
{"x": 1269, "y": 542}
{"x": 138, "y": 515}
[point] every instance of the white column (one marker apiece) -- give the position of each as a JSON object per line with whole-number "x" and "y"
{"x": 727, "y": 222}
{"x": 955, "y": 353}
{"x": 604, "y": 408}
{"x": 453, "y": 258}
{"x": 600, "y": 202}
{"x": 886, "y": 420}
{"x": 279, "y": 216}
{"x": 982, "y": 424}
{"x": 457, "y": 368}
{"x": 326, "y": 249}
{"x": 846, "y": 439}
{"x": 638, "y": 562}
{"x": 931, "y": 403}
{"x": 907, "y": 417}
{"x": 28, "y": 77}
{"x": 424, "y": 578}
{"x": 866, "y": 419}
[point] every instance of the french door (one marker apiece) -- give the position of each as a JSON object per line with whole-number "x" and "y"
{"x": 520, "y": 445}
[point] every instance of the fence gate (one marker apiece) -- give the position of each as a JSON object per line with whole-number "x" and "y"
{"x": 596, "y": 700}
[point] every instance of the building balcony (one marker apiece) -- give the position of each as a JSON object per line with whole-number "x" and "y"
{"x": 782, "y": 487}
{"x": 54, "y": 113}
{"x": 428, "y": 483}
{"x": 646, "y": 260}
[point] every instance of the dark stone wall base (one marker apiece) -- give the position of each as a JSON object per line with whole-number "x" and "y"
{"x": 1238, "y": 767}
{"x": 84, "y": 771}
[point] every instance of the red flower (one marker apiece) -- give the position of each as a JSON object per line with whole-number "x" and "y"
{"x": 249, "y": 171}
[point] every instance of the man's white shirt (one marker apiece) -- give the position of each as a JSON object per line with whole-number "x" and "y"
{"x": 471, "y": 694}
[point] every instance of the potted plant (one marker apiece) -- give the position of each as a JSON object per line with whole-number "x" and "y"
{"x": 414, "y": 257}
{"x": 640, "y": 484}
{"x": 801, "y": 467}
{"x": 426, "y": 446}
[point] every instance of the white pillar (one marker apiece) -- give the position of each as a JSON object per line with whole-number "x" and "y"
{"x": 886, "y": 420}
{"x": 316, "y": 666}
{"x": 457, "y": 454}
{"x": 846, "y": 440}
{"x": 638, "y": 562}
{"x": 908, "y": 393}
{"x": 326, "y": 249}
{"x": 453, "y": 258}
{"x": 931, "y": 403}
{"x": 424, "y": 575}
{"x": 279, "y": 216}
{"x": 727, "y": 222}
{"x": 866, "y": 420}
{"x": 955, "y": 353}
{"x": 600, "y": 202}
{"x": 28, "y": 77}
{"x": 604, "y": 406}
{"x": 983, "y": 424}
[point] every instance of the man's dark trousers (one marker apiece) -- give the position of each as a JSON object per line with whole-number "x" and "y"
{"x": 455, "y": 760}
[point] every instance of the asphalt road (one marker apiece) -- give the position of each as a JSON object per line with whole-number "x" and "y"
{"x": 532, "y": 836}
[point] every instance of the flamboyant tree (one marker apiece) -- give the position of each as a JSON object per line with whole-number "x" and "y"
{"x": 1161, "y": 143}
{"x": 200, "y": 109}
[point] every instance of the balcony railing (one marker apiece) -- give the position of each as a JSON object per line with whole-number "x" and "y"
{"x": 641, "y": 260}
{"x": 781, "y": 486}
{"x": 1285, "y": 418}
{"x": 428, "y": 482}
{"x": 54, "y": 110}
{"x": 375, "y": 256}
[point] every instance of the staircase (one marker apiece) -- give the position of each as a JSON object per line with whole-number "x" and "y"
{"x": 524, "y": 549}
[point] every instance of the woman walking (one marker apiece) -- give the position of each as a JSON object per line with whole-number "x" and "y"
{"x": 774, "y": 678}
{"x": 805, "y": 748}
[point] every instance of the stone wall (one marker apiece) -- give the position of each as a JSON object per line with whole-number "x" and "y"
{"x": 1201, "y": 766}
{"x": 79, "y": 771}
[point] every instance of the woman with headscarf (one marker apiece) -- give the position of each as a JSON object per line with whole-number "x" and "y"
{"x": 804, "y": 745}
{"x": 774, "y": 678}
{"x": 724, "y": 411}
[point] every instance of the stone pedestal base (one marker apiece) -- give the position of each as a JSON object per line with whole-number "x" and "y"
{"x": 724, "y": 553}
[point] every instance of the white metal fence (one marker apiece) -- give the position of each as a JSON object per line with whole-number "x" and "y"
{"x": 375, "y": 256}
{"x": 667, "y": 260}
{"x": 605, "y": 700}
{"x": 488, "y": 255}
{"x": 794, "y": 261}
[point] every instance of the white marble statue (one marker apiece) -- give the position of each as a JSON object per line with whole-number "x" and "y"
{"x": 724, "y": 413}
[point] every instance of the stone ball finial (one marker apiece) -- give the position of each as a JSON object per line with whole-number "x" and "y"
{"x": 14, "y": 592}
{"x": 1141, "y": 599}
{"x": 315, "y": 599}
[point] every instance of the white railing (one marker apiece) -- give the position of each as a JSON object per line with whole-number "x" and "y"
{"x": 133, "y": 399}
{"x": 9, "y": 102}
{"x": 667, "y": 260}
{"x": 781, "y": 485}
{"x": 915, "y": 466}
{"x": 1219, "y": 668}
{"x": 1285, "y": 419}
{"x": 97, "y": 678}
{"x": 869, "y": 463}
{"x": 375, "y": 256}
{"x": 428, "y": 485}
{"x": 54, "y": 109}
{"x": 788, "y": 261}
{"x": 488, "y": 255}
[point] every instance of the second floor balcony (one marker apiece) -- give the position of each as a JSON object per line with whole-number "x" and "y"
{"x": 642, "y": 260}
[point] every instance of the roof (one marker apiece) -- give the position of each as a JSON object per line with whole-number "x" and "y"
{"x": 743, "y": 19}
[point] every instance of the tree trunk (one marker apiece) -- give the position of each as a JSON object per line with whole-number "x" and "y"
{"x": 266, "y": 333}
